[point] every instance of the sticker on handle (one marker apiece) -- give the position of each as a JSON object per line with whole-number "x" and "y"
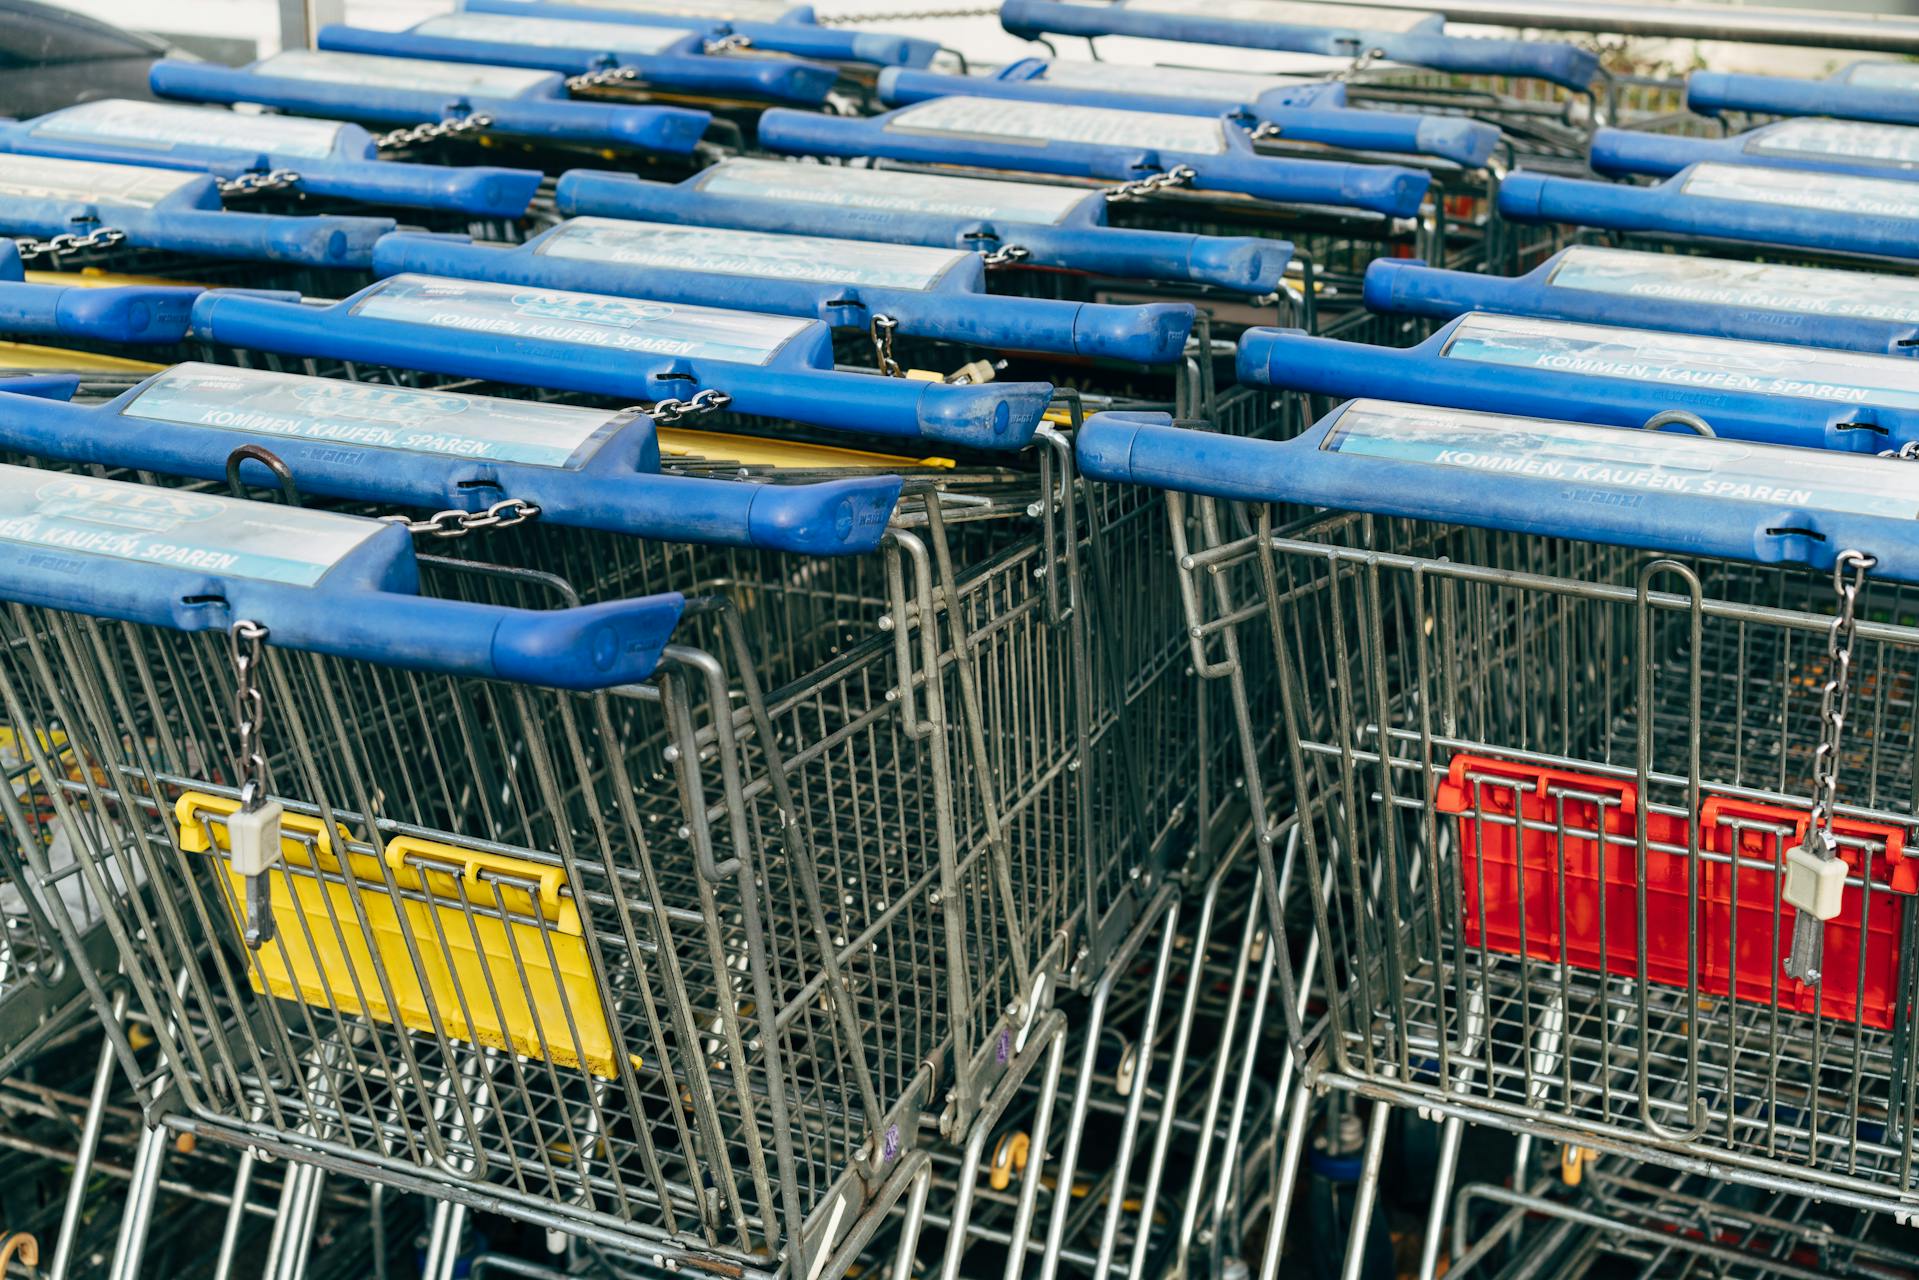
{"x": 720, "y": 10}
{"x": 1041, "y": 122}
{"x": 165, "y": 126}
{"x": 1227, "y": 88}
{"x": 375, "y": 72}
{"x": 41, "y": 178}
{"x": 375, "y": 416}
{"x": 1633, "y": 462}
{"x": 1831, "y": 192}
{"x": 928, "y": 193}
{"x": 1726, "y": 282}
{"x": 195, "y": 531}
{"x": 552, "y": 33}
{"x": 582, "y": 319}
{"x": 1891, "y": 144}
{"x": 1884, "y": 75}
{"x": 1686, "y": 360}
{"x": 811, "y": 259}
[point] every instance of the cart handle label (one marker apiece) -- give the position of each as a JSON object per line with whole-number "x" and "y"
{"x": 163, "y": 127}
{"x": 464, "y": 78}
{"x": 845, "y": 188}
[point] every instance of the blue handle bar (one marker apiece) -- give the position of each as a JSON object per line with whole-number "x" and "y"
{"x": 795, "y": 34}
{"x": 314, "y": 241}
{"x": 1561, "y": 64}
{"x": 1589, "y": 379}
{"x": 435, "y": 450}
{"x": 331, "y": 584}
{"x": 1235, "y": 168}
{"x": 1820, "y": 146}
{"x": 1859, "y": 215}
{"x": 1722, "y": 298}
{"x": 670, "y": 130}
{"x": 138, "y": 314}
{"x": 1149, "y": 334}
{"x": 1467, "y": 143}
{"x": 1712, "y": 92}
{"x": 778, "y": 79}
{"x": 1527, "y": 475}
{"x": 1075, "y": 240}
{"x": 581, "y": 342}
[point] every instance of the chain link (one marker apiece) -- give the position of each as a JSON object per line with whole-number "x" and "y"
{"x": 1004, "y": 254}
{"x": 244, "y": 642}
{"x": 1848, "y": 580}
{"x": 1264, "y": 131}
{"x": 602, "y": 79}
{"x": 882, "y": 330}
{"x": 1907, "y": 451}
{"x": 68, "y": 242}
{"x": 434, "y": 131}
{"x": 1177, "y": 176}
{"x": 250, "y": 184}
{"x": 910, "y": 15}
{"x": 668, "y": 412}
{"x": 455, "y": 523}
{"x": 732, "y": 43}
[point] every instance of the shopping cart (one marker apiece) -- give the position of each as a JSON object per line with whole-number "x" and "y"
{"x": 1604, "y": 847}
{"x": 434, "y": 102}
{"x": 320, "y": 158}
{"x": 1720, "y": 297}
{"x": 1772, "y": 392}
{"x": 89, "y": 308}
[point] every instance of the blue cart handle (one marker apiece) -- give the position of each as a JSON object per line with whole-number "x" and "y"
{"x": 780, "y": 79}
{"x": 321, "y": 240}
{"x": 1467, "y": 143}
{"x": 1527, "y": 475}
{"x": 997, "y": 416}
{"x": 1711, "y": 93}
{"x": 353, "y": 592}
{"x": 1622, "y": 152}
{"x": 671, "y": 130}
{"x": 1242, "y": 264}
{"x": 1150, "y": 333}
{"x": 795, "y": 32}
{"x": 137, "y": 314}
{"x": 479, "y": 190}
{"x": 1379, "y": 188}
{"x": 1562, "y": 64}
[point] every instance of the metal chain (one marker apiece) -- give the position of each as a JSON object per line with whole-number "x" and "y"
{"x": 1848, "y": 580}
{"x": 245, "y": 640}
{"x": 434, "y": 131}
{"x": 1908, "y": 451}
{"x": 249, "y": 712}
{"x": 601, "y": 79}
{"x": 882, "y": 330}
{"x": 1264, "y": 131}
{"x": 68, "y": 242}
{"x": 668, "y": 412}
{"x": 910, "y": 15}
{"x": 503, "y": 514}
{"x": 248, "y": 184}
{"x": 1004, "y": 254}
{"x": 1177, "y": 176}
{"x": 727, "y": 44}
{"x": 1361, "y": 60}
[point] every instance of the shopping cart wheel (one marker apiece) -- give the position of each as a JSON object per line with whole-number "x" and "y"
{"x": 1332, "y": 1186}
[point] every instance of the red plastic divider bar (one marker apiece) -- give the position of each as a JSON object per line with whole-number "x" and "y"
{"x": 1549, "y": 859}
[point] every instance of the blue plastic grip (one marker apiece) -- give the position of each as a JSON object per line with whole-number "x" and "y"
{"x": 1619, "y": 152}
{"x": 138, "y": 314}
{"x": 1712, "y": 92}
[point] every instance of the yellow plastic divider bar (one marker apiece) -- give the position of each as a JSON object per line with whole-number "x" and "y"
{"x": 95, "y": 278}
{"x": 502, "y": 962}
{"x": 18, "y": 356}
{"x": 755, "y": 451}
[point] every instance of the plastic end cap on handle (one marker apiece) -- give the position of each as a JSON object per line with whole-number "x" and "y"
{"x": 1105, "y": 443}
{"x": 1706, "y": 92}
{"x": 1380, "y": 289}
{"x": 1523, "y": 196}
{"x": 1260, "y": 348}
{"x": 1153, "y": 333}
{"x": 1239, "y": 263}
{"x": 130, "y": 314}
{"x": 11, "y": 267}
{"x": 499, "y": 193}
{"x": 837, "y": 518}
{"x": 45, "y": 386}
{"x": 992, "y": 415}
{"x": 597, "y": 646}
{"x": 806, "y": 81}
{"x": 1467, "y": 143}
{"x": 889, "y": 79}
{"x": 1399, "y": 192}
